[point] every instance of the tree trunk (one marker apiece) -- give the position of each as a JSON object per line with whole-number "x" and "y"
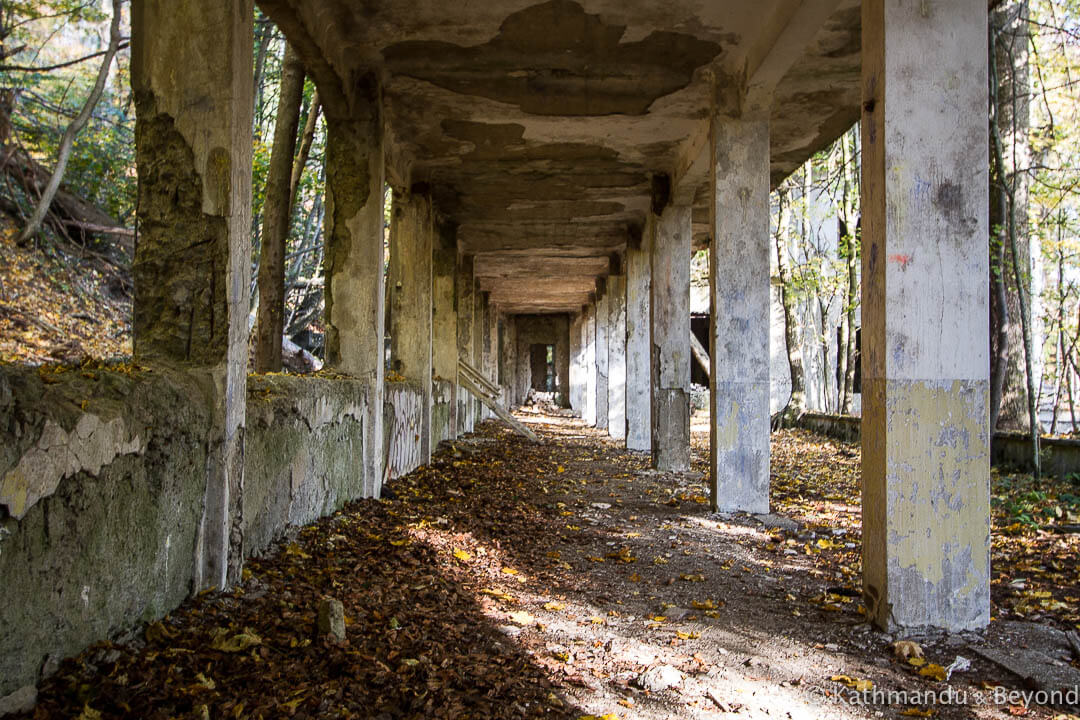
{"x": 63, "y": 153}
{"x": 1019, "y": 267}
{"x": 307, "y": 137}
{"x": 277, "y": 209}
{"x": 796, "y": 403}
{"x": 1009, "y": 95}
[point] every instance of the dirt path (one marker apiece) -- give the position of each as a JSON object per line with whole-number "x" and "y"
{"x": 562, "y": 580}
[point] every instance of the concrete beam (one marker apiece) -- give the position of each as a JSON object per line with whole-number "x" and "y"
{"x": 192, "y": 262}
{"x": 926, "y": 522}
{"x": 783, "y": 43}
{"x": 638, "y": 342}
{"x": 412, "y": 232}
{"x": 739, "y": 327}
{"x": 670, "y": 323}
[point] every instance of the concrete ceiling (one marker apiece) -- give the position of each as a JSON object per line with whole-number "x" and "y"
{"x": 538, "y": 125}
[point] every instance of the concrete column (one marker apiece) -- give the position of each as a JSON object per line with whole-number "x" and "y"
{"x": 926, "y": 528}
{"x": 508, "y": 360}
{"x": 465, "y": 284}
{"x": 562, "y": 359}
{"x": 411, "y": 231}
{"x": 478, "y": 409}
{"x": 577, "y": 366}
{"x": 491, "y": 344}
{"x": 670, "y": 322}
{"x": 588, "y": 338}
{"x": 443, "y": 335}
{"x": 192, "y": 262}
{"x": 638, "y": 342}
{"x": 616, "y": 403}
{"x": 355, "y": 287}
{"x": 739, "y": 328}
{"x": 601, "y": 356}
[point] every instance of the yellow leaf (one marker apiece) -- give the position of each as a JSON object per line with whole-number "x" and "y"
{"x": 634, "y": 577}
{"x": 220, "y": 639}
{"x": 521, "y": 617}
{"x": 554, "y": 606}
{"x": 498, "y": 594}
{"x": 462, "y": 555}
{"x": 89, "y": 713}
{"x": 597, "y": 620}
{"x": 935, "y": 671}
{"x": 687, "y": 635}
{"x": 595, "y": 559}
{"x": 692, "y": 578}
{"x": 293, "y": 550}
{"x": 560, "y": 469}
{"x": 707, "y": 605}
{"x": 510, "y": 571}
{"x": 916, "y": 712}
{"x": 857, "y": 684}
{"x": 916, "y": 661}
{"x": 398, "y": 543}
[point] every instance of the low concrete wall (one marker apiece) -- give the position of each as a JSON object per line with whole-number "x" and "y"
{"x": 403, "y": 427}
{"x": 304, "y": 452}
{"x": 102, "y": 479}
{"x": 442, "y": 415}
{"x": 841, "y": 427}
{"x": 1060, "y": 456}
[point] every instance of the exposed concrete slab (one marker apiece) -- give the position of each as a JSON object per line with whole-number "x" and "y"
{"x": 739, "y": 326}
{"x": 670, "y": 335}
{"x": 527, "y": 117}
{"x": 926, "y": 529}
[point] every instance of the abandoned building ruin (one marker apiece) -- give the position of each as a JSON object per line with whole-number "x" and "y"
{"x": 553, "y": 165}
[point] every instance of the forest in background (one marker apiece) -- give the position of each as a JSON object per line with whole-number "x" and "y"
{"x": 53, "y": 55}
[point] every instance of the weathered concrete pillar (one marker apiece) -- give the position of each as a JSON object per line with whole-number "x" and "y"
{"x": 739, "y": 328}
{"x": 411, "y": 234}
{"x": 616, "y": 285}
{"x": 477, "y": 361}
{"x": 508, "y": 360}
{"x": 577, "y": 365}
{"x": 562, "y": 359}
{"x": 588, "y": 338}
{"x": 355, "y": 286}
{"x": 926, "y": 528}
{"x": 491, "y": 344}
{"x": 638, "y": 342}
{"x": 465, "y": 286}
{"x": 192, "y": 262}
{"x": 443, "y": 335}
{"x": 670, "y": 312}
{"x": 601, "y": 354}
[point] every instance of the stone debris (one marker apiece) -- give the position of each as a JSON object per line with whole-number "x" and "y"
{"x": 659, "y": 678}
{"x": 332, "y": 618}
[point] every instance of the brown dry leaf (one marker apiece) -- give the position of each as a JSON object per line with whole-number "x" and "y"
{"x": 906, "y": 649}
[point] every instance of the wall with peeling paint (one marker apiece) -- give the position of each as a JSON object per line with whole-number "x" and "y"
{"x": 102, "y": 484}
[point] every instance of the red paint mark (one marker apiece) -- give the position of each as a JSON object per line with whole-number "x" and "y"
{"x": 902, "y": 259}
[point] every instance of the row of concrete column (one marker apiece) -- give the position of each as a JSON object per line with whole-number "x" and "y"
{"x": 925, "y": 300}
{"x": 925, "y": 427}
